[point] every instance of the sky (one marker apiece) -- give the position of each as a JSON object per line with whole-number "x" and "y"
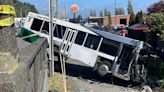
{"x": 86, "y": 5}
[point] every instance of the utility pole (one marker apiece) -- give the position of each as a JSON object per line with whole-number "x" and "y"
{"x": 115, "y": 12}
{"x": 65, "y": 13}
{"x": 57, "y": 8}
{"x": 51, "y": 45}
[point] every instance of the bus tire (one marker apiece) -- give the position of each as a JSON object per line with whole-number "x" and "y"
{"x": 103, "y": 68}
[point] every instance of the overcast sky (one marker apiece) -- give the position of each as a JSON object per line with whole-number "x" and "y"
{"x": 86, "y": 5}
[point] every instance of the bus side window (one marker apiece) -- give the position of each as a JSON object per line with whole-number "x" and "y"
{"x": 109, "y": 47}
{"x": 36, "y": 24}
{"x": 92, "y": 41}
{"x": 45, "y": 28}
{"x": 55, "y": 31}
{"x": 80, "y": 38}
{"x": 59, "y": 31}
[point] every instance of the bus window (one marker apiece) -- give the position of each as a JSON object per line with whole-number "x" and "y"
{"x": 109, "y": 47}
{"x": 36, "y": 24}
{"x": 80, "y": 38}
{"x": 59, "y": 31}
{"x": 92, "y": 41}
{"x": 45, "y": 28}
{"x": 55, "y": 31}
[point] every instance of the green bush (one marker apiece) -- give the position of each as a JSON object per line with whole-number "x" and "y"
{"x": 162, "y": 83}
{"x": 156, "y": 68}
{"x": 155, "y": 22}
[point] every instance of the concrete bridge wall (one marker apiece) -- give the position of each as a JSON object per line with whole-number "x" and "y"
{"x": 26, "y": 73}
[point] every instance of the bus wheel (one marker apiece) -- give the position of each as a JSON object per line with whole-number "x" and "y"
{"x": 103, "y": 68}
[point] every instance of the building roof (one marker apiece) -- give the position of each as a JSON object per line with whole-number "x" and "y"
{"x": 96, "y": 17}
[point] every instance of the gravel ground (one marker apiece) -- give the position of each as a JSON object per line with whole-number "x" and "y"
{"x": 76, "y": 84}
{"x": 81, "y": 78}
{"x": 80, "y": 85}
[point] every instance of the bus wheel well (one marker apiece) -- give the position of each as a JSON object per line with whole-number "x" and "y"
{"x": 103, "y": 66}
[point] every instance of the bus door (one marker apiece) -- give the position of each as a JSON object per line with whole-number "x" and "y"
{"x": 123, "y": 63}
{"x": 68, "y": 40}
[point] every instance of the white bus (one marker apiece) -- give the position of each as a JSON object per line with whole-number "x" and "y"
{"x": 103, "y": 51}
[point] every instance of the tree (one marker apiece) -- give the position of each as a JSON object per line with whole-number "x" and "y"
{"x": 21, "y": 8}
{"x": 132, "y": 19}
{"x": 155, "y": 23}
{"x": 130, "y": 7}
{"x": 91, "y": 13}
{"x": 108, "y": 14}
{"x": 156, "y": 7}
{"x": 101, "y": 14}
{"x": 131, "y": 12}
{"x": 105, "y": 12}
{"x": 139, "y": 17}
{"x": 120, "y": 11}
{"x": 79, "y": 19}
{"x": 109, "y": 17}
{"x": 94, "y": 12}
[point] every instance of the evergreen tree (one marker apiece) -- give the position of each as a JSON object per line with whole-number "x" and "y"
{"x": 130, "y": 7}
{"x": 139, "y": 17}
{"x": 131, "y": 12}
{"x": 91, "y": 13}
{"x": 101, "y": 14}
{"x": 79, "y": 18}
{"x": 109, "y": 18}
{"x": 132, "y": 19}
{"x": 94, "y": 12}
{"x": 120, "y": 11}
{"x": 105, "y": 12}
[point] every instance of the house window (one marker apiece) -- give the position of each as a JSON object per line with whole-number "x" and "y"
{"x": 80, "y": 38}
{"x": 92, "y": 41}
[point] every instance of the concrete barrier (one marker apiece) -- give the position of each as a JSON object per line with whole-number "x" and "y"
{"x": 26, "y": 73}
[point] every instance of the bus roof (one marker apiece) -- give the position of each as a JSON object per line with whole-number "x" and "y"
{"x": 60, "y": 22}
{"x": 115, "y": 37}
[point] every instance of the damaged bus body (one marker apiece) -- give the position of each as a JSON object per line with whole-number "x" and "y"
{"x": 103, "y": 51}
